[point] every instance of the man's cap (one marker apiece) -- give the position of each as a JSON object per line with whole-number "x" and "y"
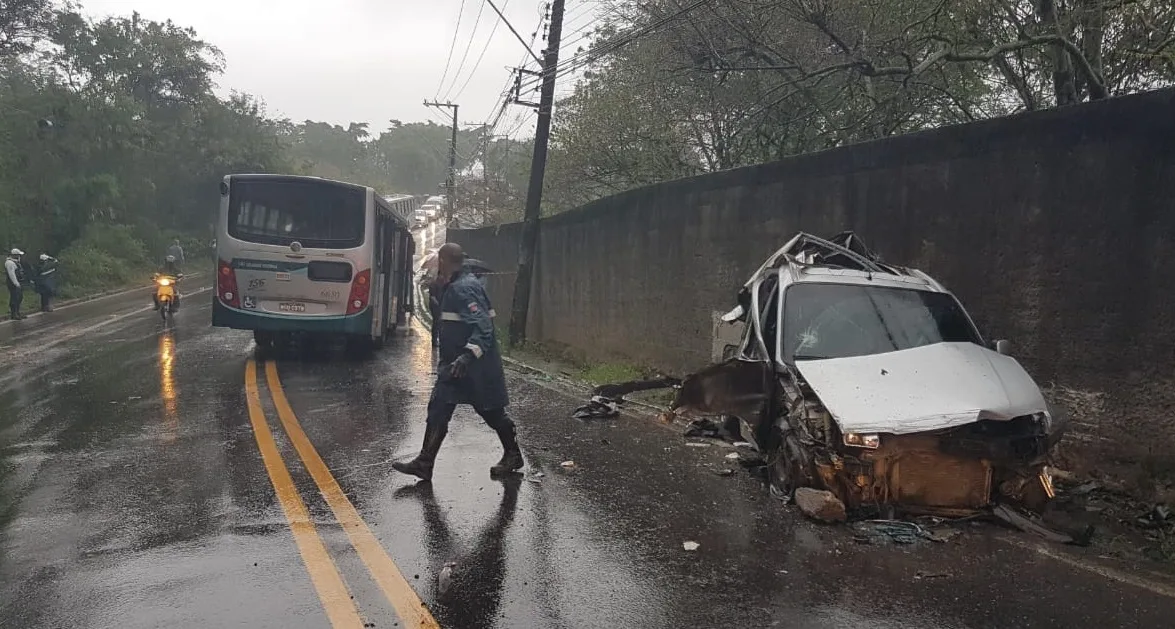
{"x": 16, "y": 252}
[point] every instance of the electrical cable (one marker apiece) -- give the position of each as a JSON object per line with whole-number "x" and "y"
{"x": 452, "y": 47}
{"x": 468, "y": 45}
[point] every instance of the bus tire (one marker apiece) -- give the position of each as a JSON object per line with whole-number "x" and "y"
{"x": 266, "y": 342}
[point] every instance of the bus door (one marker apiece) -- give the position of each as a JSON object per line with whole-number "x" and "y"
{"x": 394, "y": 272}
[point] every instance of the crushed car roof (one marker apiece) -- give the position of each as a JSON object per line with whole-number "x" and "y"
{"x": 842, "y": 257}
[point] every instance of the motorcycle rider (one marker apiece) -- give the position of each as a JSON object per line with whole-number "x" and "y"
{"x": 14, "y": 278}
{"x": 47, "y": 281}
{"x": 176, "y": 251}
{"x": 470, "y": 370}
{"x": 170, "y": 269}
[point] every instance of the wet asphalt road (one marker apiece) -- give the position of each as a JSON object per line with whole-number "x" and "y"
{"x": 134, "y": 493}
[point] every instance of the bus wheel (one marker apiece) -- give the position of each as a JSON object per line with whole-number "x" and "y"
{"x": 265, "y": 340}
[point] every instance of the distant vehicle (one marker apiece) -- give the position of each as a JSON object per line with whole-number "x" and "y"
{"x": 430, "y": 210}
{"x": 420, "y": 218}
{"x": 872, "y": 382}
{"x": 312, "y": 256}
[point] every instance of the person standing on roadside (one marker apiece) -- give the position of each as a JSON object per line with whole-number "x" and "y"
{"x": 14, "y": 278}
{"x": 177, "y": 252}
{"x": 470, "y": 370}
{"x": 47, "y": 281}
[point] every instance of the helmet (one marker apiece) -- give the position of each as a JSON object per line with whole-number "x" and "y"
{"x": 171, "y": 258}
{"x": 16, "y": 252}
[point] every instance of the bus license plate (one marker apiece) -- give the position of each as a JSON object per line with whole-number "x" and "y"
{"x": 282, "y": 276}
{"x": 292, "y": 307}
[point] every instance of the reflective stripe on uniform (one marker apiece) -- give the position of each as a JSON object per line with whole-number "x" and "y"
{"x": 456, "y": 316}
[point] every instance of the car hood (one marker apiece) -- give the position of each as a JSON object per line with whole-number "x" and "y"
{"x": 926, "y": 388}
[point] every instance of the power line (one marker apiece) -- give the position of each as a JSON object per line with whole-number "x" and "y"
{"x": 506, "y": 89}
{"x": 481, "y": 56}
{"x": 452, "y": 47}
{"x": 591, "y": 56}
{"x": 512, "y": 29}
{"x": 468, "y": 45}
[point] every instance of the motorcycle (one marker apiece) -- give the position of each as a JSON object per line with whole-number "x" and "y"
{"x": 166, "y": 295}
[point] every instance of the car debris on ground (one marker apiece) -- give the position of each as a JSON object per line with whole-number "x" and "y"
{"x": 599, "y": 407}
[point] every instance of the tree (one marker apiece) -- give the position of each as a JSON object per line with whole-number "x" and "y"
{"x": 675, "y": 87}
{"x": 22, "y": 23}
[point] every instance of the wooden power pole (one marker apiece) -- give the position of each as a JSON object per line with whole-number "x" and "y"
{"x": 451, "y": 184}
{"x": 528, "y": 246}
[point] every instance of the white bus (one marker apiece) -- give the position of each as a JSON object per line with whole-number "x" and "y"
{"x": 310, "y": 255}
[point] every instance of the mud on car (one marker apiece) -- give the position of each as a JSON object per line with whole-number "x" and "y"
{"x": 871, "y": 381}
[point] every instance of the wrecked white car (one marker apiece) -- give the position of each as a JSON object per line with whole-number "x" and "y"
{"x": 872, "y": 382}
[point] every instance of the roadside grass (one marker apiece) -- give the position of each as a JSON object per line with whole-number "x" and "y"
{"x": 574, "y": 364}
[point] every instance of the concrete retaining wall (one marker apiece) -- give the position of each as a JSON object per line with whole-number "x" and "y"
{"x": 1056, "y": 229}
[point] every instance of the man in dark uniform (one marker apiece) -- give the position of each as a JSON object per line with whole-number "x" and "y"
{"x": 470, "y": 370}
{"x": 47, "y": 281}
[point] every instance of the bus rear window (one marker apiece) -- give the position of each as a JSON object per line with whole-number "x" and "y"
{"x": 320, "y": 216}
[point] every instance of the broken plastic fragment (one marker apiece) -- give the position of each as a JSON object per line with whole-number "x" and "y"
{"x": 732, "y": 456}
{"x": 445, "y": 578}
{"x": 695, "y": 444}
{"x": 568, "y": 464}
{"x": 690, "y": 546}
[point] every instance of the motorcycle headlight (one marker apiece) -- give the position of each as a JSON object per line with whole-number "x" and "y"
{"x": 862, "y": 441}
{"x": 164, "y": 282}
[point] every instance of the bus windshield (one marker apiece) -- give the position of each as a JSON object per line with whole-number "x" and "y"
{"x": 317, "y": 215}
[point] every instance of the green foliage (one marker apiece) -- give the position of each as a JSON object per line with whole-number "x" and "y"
{"x": 112, "y": 142}
{"x": 104, "y": 257}
{"x": 675, "y": 88}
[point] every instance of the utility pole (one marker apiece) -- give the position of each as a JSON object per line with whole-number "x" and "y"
{"x": 534, "y": 193}
{"x": 485, "y": 169}
{"x": 451, "y": 185}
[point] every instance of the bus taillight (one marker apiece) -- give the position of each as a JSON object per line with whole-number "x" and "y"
{"x": 226, "y": 285}
{"x": 360, "y": 291}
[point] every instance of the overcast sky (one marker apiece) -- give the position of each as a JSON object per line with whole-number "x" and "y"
{"x": 359, "y": 60}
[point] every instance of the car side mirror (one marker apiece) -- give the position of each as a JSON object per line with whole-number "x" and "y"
{"x": 1003, "y": 347}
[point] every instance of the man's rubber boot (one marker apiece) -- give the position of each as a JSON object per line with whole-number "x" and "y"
{"x": 511, "y": 460}
{"x": 421, "y": 466}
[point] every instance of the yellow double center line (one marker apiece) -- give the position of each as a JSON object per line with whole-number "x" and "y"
{"x": 340, "y": 608}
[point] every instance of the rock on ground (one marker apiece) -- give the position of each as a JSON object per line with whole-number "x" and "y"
{"x": 820, "y": 505}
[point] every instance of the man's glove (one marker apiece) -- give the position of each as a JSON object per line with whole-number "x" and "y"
{"x": 461, "y": 365}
